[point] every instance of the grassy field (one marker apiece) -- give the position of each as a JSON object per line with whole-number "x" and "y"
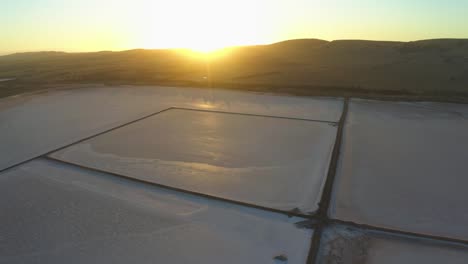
{"x": 431, "y": 69}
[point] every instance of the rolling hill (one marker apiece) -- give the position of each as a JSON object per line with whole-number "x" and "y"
{"x": 307, "y": 67}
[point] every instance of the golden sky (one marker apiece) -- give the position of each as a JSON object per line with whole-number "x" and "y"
{"x": 92, "y": 25}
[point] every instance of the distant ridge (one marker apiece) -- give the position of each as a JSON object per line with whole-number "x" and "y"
{"x": 294, "y": 42}
{"x": 303, "y": 66}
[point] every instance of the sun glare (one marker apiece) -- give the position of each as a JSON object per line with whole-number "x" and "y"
{"x": 203, "y": 26}
{"x": 206, "y": 48}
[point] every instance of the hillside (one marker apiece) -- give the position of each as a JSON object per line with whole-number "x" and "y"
{"x": 426, "y": 68}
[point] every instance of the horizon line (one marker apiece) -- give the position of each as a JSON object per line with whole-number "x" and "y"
{"x": 7, "y": 53}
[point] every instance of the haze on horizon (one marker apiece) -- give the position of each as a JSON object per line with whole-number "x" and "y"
{"x": 89, "y": 25}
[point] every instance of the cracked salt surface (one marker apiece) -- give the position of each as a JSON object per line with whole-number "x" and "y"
{"x": 269, "y": 162}
{"x": 345, "y": 245}
{"x": 403, "y": 166}
{"x": 54, "y": 213}
{"x": 34, "y": 124}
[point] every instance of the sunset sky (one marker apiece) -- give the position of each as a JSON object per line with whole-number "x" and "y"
{"x": 92, "y": 25}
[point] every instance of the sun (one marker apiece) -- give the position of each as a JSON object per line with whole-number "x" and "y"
{"x": 207, "y": 44}
{"x": 203, "y": 26}
{"x": 206, "y": 48}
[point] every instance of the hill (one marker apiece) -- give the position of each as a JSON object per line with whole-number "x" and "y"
{"x": 306, "y": 67}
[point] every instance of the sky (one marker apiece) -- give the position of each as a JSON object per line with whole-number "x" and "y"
{"x": 94, "y": 25}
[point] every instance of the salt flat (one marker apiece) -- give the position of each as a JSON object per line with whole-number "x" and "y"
{"x": 34, "y": 124}
{"x": 345, "y": 245}
{"x": 271, "y": 162}
{"x": 53, "y": 213}
{"x": 403, "y": 166}
{"x": 180, "y": 175}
